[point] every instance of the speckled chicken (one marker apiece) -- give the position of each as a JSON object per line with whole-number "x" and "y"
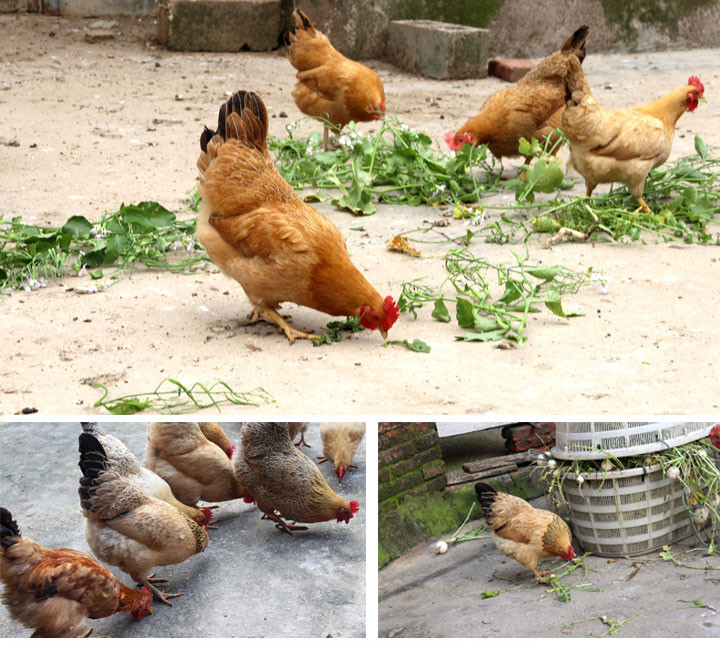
{"x": 284, "y": 482}
{"x": 123, "y": 461}
{"x": 522, "y": 532}
{"x": 189, "y": 457}
{"x": 340, "y": 441}
{"x": 56, "y": 591}
{"x": 128, "y": 528}
{"x": 329, "y": 84}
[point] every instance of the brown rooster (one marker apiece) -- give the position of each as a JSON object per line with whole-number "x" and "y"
{"x": 128, "y": 528}
{"x": 522, "y": 532}
{"x": 56, "y": 591}
{"x": 260, "y": 233}
{"x": 340, "y": 441}
{"x": 124, "y": 462}
{"x": 194, "y": 467}
{"x": 531, "y": 108}
{"x": 329, "y": 84}
{"x": 284, "y": 482}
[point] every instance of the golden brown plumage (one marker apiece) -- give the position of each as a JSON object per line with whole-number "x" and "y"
{"x": 329, "y": 84}
{"x": 340, "y": 441}
{"x": 56, "y": 591}
{"x": 295, "y": 428}
{"x": 259, "y": 232}
{"x": 123, "y": 461}
{"x": 522, "y": 532}
{"x": 281, "y": 478}
{"x": 621, "y": 145}
{"x": 531, "y": 108}
{"x": 195, "y": 467}
{"x": 128, "y": 528}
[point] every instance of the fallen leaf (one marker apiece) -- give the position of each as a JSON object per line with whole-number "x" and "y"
{"x": 400, "y": 243}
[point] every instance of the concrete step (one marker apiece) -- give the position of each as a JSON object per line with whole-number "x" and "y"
{"x": 439, "y": 50}
{"x": 220, "y": 25}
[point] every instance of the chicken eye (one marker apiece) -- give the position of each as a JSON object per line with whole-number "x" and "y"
{"x": 460, "y": 139}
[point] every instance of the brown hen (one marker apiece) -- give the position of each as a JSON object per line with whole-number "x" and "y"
{"x": 56, "y": 591}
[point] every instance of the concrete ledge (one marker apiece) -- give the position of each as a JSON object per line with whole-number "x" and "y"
{"x": 220, "y": 25}
{"x": 438, "y": 49}
{"x": 16, "y": 6}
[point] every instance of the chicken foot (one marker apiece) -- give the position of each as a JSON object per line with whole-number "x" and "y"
{"x": 302, "y": 442}
{"x": 271, "y": 316}
{"x": 284, "y": 526}
{"x": 160, "y": 595}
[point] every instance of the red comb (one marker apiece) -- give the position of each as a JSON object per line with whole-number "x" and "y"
{"x": 715, "y": 435}
{"x": 392, "y": 311}
{"x": 354, "y": 507}
{"x": 248, "y": 499}
{"x": 231, "y": 451}
{"x": 208, "y": 516}
{"x": 450, "y": 140}
{"x": 694, "y": 80}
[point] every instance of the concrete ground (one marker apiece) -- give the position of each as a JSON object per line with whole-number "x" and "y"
{"x": 422, "y": 594}
{"x": 88, "y": 126}
{"x": 251, "y": 580}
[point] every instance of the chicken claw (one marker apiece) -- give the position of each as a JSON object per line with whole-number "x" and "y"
{"x": 302, "y": 441}
{"x": 152, "y": 578}
{"x": 161, "y": 595}
{"x": 274, "y": 318}
{"x": 284, "y": 526}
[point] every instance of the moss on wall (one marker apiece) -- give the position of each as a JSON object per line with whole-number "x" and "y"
{"x": 421, "y": 517}
{"x": 664, "y": 15}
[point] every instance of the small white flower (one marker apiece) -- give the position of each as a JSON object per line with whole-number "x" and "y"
{"x": 345, "y": 140}
{"x": 404, "y": 126}
{"x": 441, "y": 547}
{"x": 603, "y": 281}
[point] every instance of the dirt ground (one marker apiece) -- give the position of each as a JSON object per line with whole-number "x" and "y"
{"x": 422, "y": 594}
{"x": 251, "y": 580}
{"x": 119, "y": 121}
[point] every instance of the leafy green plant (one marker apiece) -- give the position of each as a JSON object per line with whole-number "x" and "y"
{"x": 335, "y": 329}
{"x": 488, "y": 316}
{"x": 144, "y": 233}
{"x": 416, "y": 345}
{"x": 614, "y": 626}
{"x": 398, "y": 165}
{"x": 172, "y": 397}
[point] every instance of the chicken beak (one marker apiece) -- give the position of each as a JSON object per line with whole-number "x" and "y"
{"x": 383, "y": 333}
{"x": 150, "y": 610}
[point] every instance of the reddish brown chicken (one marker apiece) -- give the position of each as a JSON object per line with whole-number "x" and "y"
{"x": 329, "y": 84}
{"x": 56, "y": 591}
{"x": 522, "y": 532}
{"x": 622, "y": 145}
{"x": 128, "y": 528}
{"x": 284, "y": 482}
{"x": 194, "y": 467}
{"x": 531, "y": 108}
{"x": 340, "y": 441}
{"x": 259, "y": 232}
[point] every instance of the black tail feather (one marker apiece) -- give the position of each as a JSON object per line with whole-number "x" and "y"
{"x": 486, "y": 496}
{"x": 93, "y": 459}
{"x": 8, "y": 529}
{"x": 576, "y": 43}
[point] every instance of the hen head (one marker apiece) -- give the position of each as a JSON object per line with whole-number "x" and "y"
{"x": 371, "y": 319}
{"x": 457, "y": 140}
{"x": 377, "y": 110}
{"x": 144, "y": 606}
{"x": 715, "y": 435}
{"x": 692, "y": 98}
{"x": 344, "y": 514}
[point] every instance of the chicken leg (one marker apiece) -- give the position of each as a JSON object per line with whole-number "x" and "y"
{"x": 266, "y": 314}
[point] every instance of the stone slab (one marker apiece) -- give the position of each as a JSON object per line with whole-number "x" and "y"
{"x": 220, "y": 25}
{"x": 438, "y": 50}
{"x": 509, "y": 69}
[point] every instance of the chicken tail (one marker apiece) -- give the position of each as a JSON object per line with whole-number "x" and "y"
{"x": 486, "y": 496}
{"x": 576, "y": 43}
{"x": 242, "y": 117}
{"x": 9, "y": 531}
{"x": 576, "y": 86}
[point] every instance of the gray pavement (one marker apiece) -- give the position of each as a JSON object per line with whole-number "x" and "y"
{"x": 252, "y": 580}
{"x": 423, "y": 594}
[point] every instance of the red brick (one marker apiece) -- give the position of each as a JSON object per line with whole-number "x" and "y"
{"x": 406, "y": 466}
{"x": 395, "y": 454}
{"x": 509, "y": 69}
{"x": 428, "y": 487}
{"x": 399, "y": 485}
{"x": 433, "y": 471}
{"x": 390, "y": 434}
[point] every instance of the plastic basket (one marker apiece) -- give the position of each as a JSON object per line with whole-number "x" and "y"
{"x": 598, "y": 439}
{"x": 627, "y": 512}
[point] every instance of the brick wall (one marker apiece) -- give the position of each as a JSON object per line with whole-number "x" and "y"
{"x": 523, "y": 436}
{"x": 409, "y": 462}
